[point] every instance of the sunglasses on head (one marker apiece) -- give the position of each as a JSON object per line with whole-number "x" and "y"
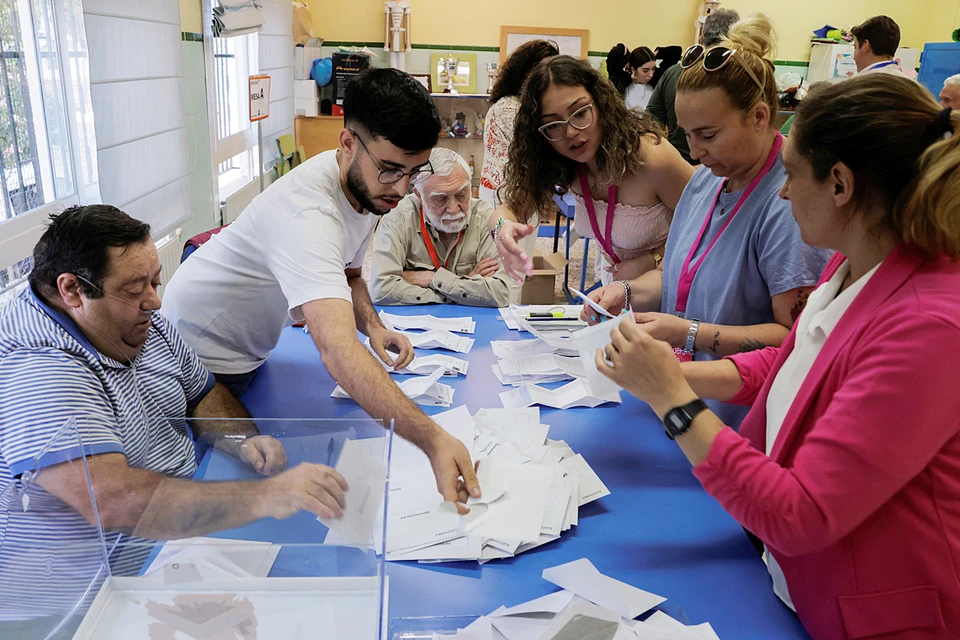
{"x": 715, "y": 59}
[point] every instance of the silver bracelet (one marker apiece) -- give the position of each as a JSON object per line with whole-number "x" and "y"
{"x": 692, "y": 336}
{"x": 627, "y": 293}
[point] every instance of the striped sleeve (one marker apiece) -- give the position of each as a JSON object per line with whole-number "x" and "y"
{"x": 42, "y": 390}
{"x": 197, "y": 381}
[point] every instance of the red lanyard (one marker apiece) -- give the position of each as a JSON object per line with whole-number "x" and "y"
{"x": 688, "y": 272}
{"x": 429, "y": 242}
{"x": 605, "y": 243}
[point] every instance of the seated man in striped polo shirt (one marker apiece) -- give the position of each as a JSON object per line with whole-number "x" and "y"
{"x": 85, "y": 341}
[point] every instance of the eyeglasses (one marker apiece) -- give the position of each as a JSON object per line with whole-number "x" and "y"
{"x": 581, "y": 119}
{"x": 392, "y": 176}
{"x": 715, "y": 59}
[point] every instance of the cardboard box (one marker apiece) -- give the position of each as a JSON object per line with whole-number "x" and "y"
{"x": 306, "y": 98}
{"x": 541, "y": 287}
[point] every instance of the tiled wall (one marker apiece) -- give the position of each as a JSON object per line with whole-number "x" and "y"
{"x": 194, "y": 96}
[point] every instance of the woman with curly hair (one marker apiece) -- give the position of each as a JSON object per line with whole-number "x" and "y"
{"x": 505, "y": 101}
{"x": 574, "y": 132}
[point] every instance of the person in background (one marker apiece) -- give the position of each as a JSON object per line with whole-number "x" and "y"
{"x": 617, "y": 67}
{"x": 875, "y": 46}
{"x": 574, "y": 132}
{"x": 295, "y": 255}
{"x": 504, "y": 103}
{"x": 662, "y": 105}
{"x": 641, "y": 66}
{"x": 435, "y": 246}
{"x": 736, "y": 273}
{"x": 950, "y": 94}
{"x": 846, "y": 466}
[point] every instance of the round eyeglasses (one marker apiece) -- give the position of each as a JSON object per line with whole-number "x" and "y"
{"x": 392, "y": 176}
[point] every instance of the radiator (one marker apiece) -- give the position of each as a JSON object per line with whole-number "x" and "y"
{"x": 170, "y": 249}
{"x": 233, "y": 206}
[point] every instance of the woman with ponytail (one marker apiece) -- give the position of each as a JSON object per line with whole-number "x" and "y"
{"x": 848, "y": 465}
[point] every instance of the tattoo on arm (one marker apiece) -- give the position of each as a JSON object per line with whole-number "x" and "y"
{"x": 798, "y": 307}
{"x": 751, "y": 344}
{"x": 716, "y": 343}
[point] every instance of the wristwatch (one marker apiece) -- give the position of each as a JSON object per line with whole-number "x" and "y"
{"x": 692, "y": 336}
{"x": 677, "y": 421}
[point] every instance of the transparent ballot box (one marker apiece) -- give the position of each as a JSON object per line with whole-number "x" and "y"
{"x": 276, "y": 534}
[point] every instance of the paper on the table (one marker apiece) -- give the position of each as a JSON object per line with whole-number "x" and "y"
{"x": 583, "y": 620}
{"x": 507, "y": 546}
{"x": 583, "y": 579}
{"x": 425, "y": 365}
{"x": 424, "y": 390}
{"x": 574, "y": 394}
{"x": 440, "y": 339}
{"x": 539, "y": 542}
{"x": 520, "y": 627}
{"x": 661, "y": 622}
{"x": 551, "y": 603}
{"x": 591, "y": 486}
{"x": 557, "y": 500}
{"x": 510, "y": 416}
{"x": 458, "y": 325}
{"x": 506, "y": 314}
{"x": 463, "y": 548}
{"x": 587, "y": 342}
{"x": 519, "y": 379}
{"x": 493, "y": 484}
{"x": 519, "y": 348}
{"x": 593, "y": 305}
{"x": 366, "y": 479}
{"x": 519, "y": 512}
{"x": 572, "y": 517}
{"x": 253, "y": 558}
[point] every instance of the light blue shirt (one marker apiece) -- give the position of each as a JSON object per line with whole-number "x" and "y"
{"x": 760, "y": 255}
{"x": 50, "y": 373}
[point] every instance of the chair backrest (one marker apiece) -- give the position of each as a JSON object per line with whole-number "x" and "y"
{"x": 286, "y": 145}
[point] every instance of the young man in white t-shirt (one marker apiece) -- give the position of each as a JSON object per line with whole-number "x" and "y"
{"x": 875, "y": 46}
{"x": 295, "y": 255}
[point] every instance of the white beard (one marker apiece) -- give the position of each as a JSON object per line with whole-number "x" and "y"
{"x": 455, "y": 225}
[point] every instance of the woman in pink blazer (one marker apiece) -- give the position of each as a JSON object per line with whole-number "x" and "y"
{"x": 848, "y": 465}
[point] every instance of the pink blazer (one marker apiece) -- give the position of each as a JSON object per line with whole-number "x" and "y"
{"x": 859, "y": 500}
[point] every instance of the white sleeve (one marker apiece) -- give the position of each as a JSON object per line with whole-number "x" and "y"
{"x": 307, "y": 259}
{"x": 358, "y": 259}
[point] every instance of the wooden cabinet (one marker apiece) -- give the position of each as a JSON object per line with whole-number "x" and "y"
{"x": 318, "y": 133}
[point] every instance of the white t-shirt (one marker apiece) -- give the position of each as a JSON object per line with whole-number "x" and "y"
{"x": 822, "y": 314}
{"x": 637, "y": 96}
{"x": 232, "y": 297}
{"x": 891, "y": 67}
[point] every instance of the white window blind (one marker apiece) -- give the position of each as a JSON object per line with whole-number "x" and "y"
{"x": 135, "y": 76}
{"x": 276, "y": 61}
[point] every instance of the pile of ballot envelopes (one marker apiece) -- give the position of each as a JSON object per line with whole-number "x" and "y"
{"x": 590, "y": 606}
{"x": 532, "y": 487}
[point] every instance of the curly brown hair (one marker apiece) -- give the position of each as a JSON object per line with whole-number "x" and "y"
{"x": 518, "y": 66}
{"x": 535, "y": 171}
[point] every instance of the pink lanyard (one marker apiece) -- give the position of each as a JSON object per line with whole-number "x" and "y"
{"x": 605, "y": 243}
{"x": 688, "y": 272}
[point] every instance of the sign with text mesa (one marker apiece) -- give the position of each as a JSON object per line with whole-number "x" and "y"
{"x": 259, "y": 98}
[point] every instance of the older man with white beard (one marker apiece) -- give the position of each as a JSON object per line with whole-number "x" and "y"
{"x": 435, "y": 247}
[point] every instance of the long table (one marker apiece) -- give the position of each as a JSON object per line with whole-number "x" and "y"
{"x": 658, "y": 530}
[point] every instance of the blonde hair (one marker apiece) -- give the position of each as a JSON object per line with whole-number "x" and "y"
{"x": 897, "y": 142}
{"x": 755, "y": 42}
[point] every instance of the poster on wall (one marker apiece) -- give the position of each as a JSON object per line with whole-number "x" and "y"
{"x": 846, "y": 66}
{"x": 571, "y": 42}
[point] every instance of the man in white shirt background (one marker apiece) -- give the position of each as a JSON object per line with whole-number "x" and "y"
{"x": 295, "y": 255}
{"x": 875, "y": 46}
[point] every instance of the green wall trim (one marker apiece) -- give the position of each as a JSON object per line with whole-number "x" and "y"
{"x": 189, "y": 36}
{"x": 459, "y": 47}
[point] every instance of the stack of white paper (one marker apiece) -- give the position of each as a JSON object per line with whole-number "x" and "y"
{"x": 440, "y": 339}
{"x": 591, "y": 605}
{"x": 422, "y": 390}
{"x": 544, "y": 367}
{"x": 575, "y": 394}
{"x": 425, "y": 365}
{"x": 532, "y": 491}
{"x": 563, "y": 317}
{"x": 458, "y": 325}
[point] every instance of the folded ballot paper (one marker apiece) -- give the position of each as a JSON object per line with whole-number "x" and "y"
{"x": 544, "y": 367}
{"x": 424, "y": 366}
{"x": 423, "y": 390}
{"x": 439, "y": 339}
{"x": 574, "y": 394}
{"x": 533, "y": 488}
{"x": 456, "y": 325}
{"x": 590, "y": 605}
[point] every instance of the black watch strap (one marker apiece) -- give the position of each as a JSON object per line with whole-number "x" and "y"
{"x": 678, "y": 420}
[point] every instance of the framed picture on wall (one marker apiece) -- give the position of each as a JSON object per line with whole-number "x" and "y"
{"x": 571, "y": 42}
{"x": 424, "y": 79}
{"x": 465, "y": 77}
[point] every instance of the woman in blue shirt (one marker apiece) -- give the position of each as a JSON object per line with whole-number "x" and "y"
{"x": 736, "y": 273}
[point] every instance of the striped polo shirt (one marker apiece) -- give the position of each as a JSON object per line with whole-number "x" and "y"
{"x": 55, "y": 387}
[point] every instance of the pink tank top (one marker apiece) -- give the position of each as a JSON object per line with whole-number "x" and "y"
{"x": 636, "y": 230}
